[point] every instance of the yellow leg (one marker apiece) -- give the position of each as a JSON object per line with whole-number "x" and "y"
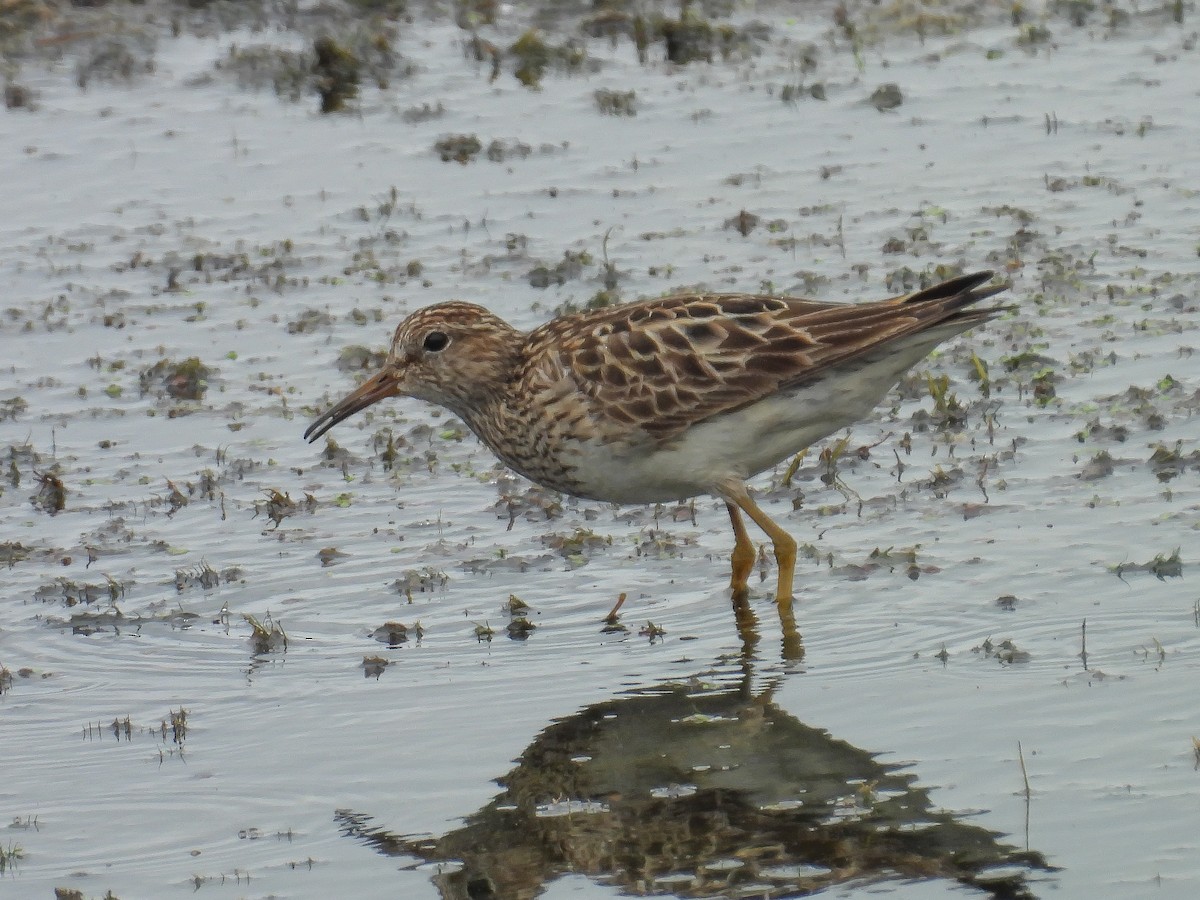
{"x": 734, "y": 492}
{"x": 742, "y": 559}
{"x": 738, "y": 500}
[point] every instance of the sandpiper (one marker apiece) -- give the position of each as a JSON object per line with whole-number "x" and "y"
{"x": 673, "y": 397}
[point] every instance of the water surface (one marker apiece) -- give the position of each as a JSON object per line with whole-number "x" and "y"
{"x": 183, "y": 213}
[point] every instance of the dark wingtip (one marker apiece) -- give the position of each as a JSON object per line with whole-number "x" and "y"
{"x": 954, "y": 287}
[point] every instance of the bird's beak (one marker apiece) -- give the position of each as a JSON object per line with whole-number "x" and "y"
{"x": 379, "y": 386}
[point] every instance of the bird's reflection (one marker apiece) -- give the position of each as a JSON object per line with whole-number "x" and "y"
{"x": 703, "y": 790}
{"x": 792, "y": 645}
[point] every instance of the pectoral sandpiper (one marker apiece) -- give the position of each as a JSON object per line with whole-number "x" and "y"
{"x": 669, "y": 398}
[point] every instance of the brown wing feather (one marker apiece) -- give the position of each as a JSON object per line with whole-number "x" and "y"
{"x": 668, "y": 363}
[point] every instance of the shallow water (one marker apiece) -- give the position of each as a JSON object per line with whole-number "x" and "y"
{"x": 290, "y": 236}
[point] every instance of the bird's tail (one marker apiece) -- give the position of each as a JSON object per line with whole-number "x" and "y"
{"x": 950, "y": 299}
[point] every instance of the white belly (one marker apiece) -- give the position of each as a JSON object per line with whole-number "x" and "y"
{"x": 737, "y": 445}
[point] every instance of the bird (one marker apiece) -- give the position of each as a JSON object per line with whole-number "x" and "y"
{"x": 672, "y": 397}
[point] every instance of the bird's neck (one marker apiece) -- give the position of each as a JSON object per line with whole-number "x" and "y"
{"x": 481, "y": 397}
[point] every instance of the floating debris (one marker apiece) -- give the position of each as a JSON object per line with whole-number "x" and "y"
{"x": 422, "y": 581}
{"x": 203, "y": 576}
{"x": 569, "y": 268}
{"x": 185, "y": 380}
{"x": 1099, "y": 466}
{"x": 267, "y": 634}
{"x": 515, "y": 606}
{"x": 338, "y": 71}
{"x": 12, "y": 407}
{"x": 279, "y": 505}
{"x": 51, "y": 496}
{"x": 520, "y": 628}
{"x": 1006, "y": 652}
{"x": 394, "y": 633}
{"x": 534, "y": 55}
{"x": 652, "y": 631}
{"x": 577, "y": 546}
{"x": 331, "y": 556}
{"x": 459, "y": 148}
{"x": 886, "y": 97}
{"x": 356, "y": 358}
{"x": 1162, "y": 567}
{"x": 373, "y": 666}
{"x": 309, "y": 321}
{"x": 616, "y": 103}
{"x": 743, "y": 223}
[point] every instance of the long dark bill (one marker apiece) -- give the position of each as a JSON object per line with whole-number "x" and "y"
{"x": 376, "y": 388}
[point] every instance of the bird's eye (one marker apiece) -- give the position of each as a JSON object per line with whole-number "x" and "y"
{"x": 436, "y": 341}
